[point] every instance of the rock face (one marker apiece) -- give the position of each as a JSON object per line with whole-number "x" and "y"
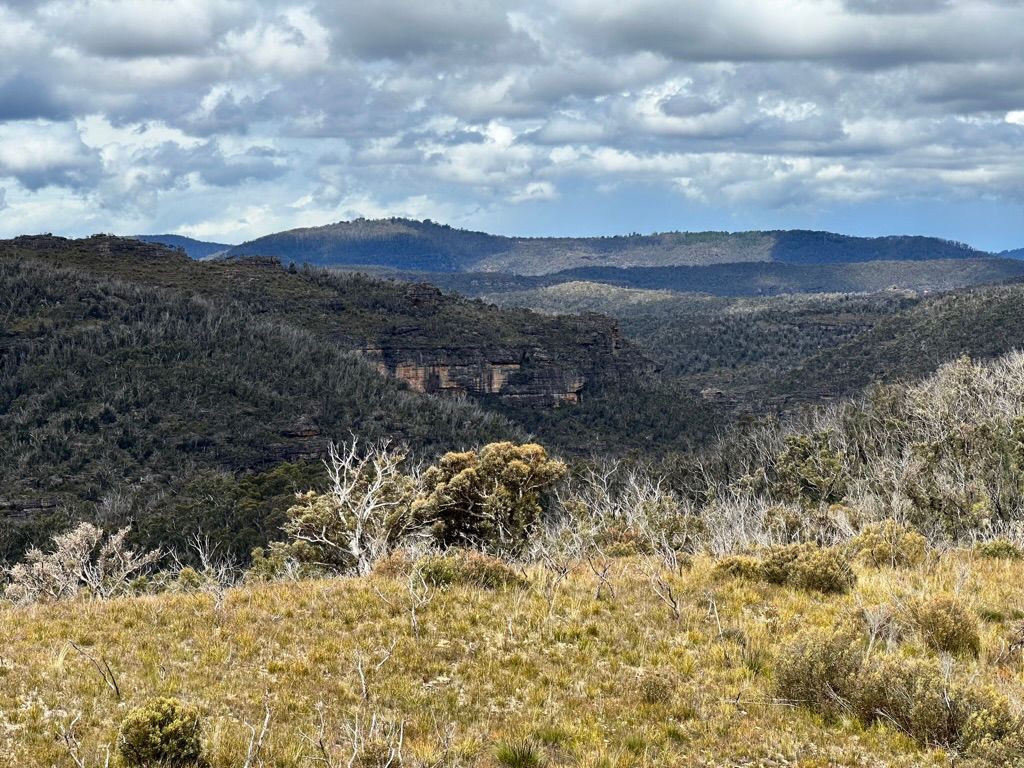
{"x": 538, "y": 375}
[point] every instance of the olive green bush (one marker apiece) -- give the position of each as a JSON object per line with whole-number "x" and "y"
{"x": 162, "y": 732}
{"x": 819, "y": 667}
{"x": 491, "y": 500}
{"x": 935, "y": 708}
{"x": 998, "y": 549}
{"x": 807, "y": 566}
{"x": 468, "y": 568}
{"x": 946, "y": 625}
{"x": 889, "y": 543}
{"x": 829, "y": 671}
{"x": 824, "y": 570}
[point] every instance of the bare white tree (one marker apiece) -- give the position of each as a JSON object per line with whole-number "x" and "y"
{"x": 364, "y": 513}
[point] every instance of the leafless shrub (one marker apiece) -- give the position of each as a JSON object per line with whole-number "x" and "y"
{"x": 81, "y": 559}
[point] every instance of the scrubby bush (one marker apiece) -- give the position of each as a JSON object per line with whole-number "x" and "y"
{"x": 654, "y": 689}
{"x": 364, "y": 513}
{"x": 810, "y": 470}
{"x": 999, "y": 549}
{"x": 889, "y": 543}
{"x": 489, "y": 500}
{"x": 823, "y": 570}
{"x": 818, "y": 668}
{"x": 946, "y": 625}
{"x": 468, "y": 568}
{"x": 741, "y": 566}
{"x": 806, "y": 566}
{"x": 930, "y": 705}
{"x": 828, "y": 671}
{"x": 777, "y": 562}
{"x": 164, "y": 732}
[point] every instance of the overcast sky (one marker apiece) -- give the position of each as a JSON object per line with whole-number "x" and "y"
{"x": 225, "y": 120}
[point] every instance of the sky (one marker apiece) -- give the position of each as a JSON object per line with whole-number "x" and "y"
{"x": 225, "y": 120}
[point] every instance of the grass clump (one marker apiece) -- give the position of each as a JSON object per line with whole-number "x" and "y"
{"x": 946, "y": 625}
{"x": 998, "y": 549}
{"x": 519, "y": 753}
{"x": 162, "y": 732}
{"x": 889, "y": 543}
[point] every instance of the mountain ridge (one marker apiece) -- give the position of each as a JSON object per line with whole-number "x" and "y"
{"x": 431, "y": 247}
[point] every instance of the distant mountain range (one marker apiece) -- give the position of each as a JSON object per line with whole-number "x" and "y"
{"x": 196, "y": 249}
{"x": 430, "y": 247}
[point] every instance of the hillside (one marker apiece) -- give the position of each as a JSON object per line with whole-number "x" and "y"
{"x": 433, "y": 341}
{"x": 413, "y": 245}
{"x": 137, "y": 382}
{"x": 739, "y": 279}
{"x": 982, "y": 322}
{"x": 732, "y": 348}
{"x": 1017, "y": 253}
{"x": 125, "y": 401}
{"x": 196, "y": 249}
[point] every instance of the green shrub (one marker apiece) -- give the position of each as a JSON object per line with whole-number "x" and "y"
{"x": 189, "y": 580}
{"x": 919, "y": 698}
{"x": 491, "y": 500}
{"x": 818, "y": 668}
{"x": 741, "y": 566}
{"x": 824, "y": 570}
{"x": 521, "y": 753}
{"x": 468, "y": 568}
{"x": 163, "y": 731}
{"x": 777, "y": 562}
{"x": 999, "y": 549}
{"x": 946, "y": 625}
{"x": 889, "y": 543}
{"x": 800, "y": 565}
{"x": 655, "y": 689}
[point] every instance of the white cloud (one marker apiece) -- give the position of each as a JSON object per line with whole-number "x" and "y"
{"x": 307, "y": 111}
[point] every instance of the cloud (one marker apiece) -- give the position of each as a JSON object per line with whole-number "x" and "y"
{"x": 222, "y": 116}
{"x": 24, "y": 97}
{"x": 40, "y": 154}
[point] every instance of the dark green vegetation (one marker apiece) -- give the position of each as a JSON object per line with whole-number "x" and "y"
{"x": 131, "y": 402}
{"x": 195, "y": 249}
{"x": 413, "y": 245}
{"x": 1016, "y": 253}
{"x": 137, "y": 384}
{"x": 738, "y": 346}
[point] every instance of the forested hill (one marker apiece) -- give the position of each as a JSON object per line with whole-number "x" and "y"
{"x": 132, "y": 378}
{"x": 427, "y": 246}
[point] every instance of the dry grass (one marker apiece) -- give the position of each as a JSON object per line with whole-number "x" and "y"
{"x": 551, "y": 666}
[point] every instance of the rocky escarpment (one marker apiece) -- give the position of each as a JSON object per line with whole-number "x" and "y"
{"x": 549, "y": 362}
